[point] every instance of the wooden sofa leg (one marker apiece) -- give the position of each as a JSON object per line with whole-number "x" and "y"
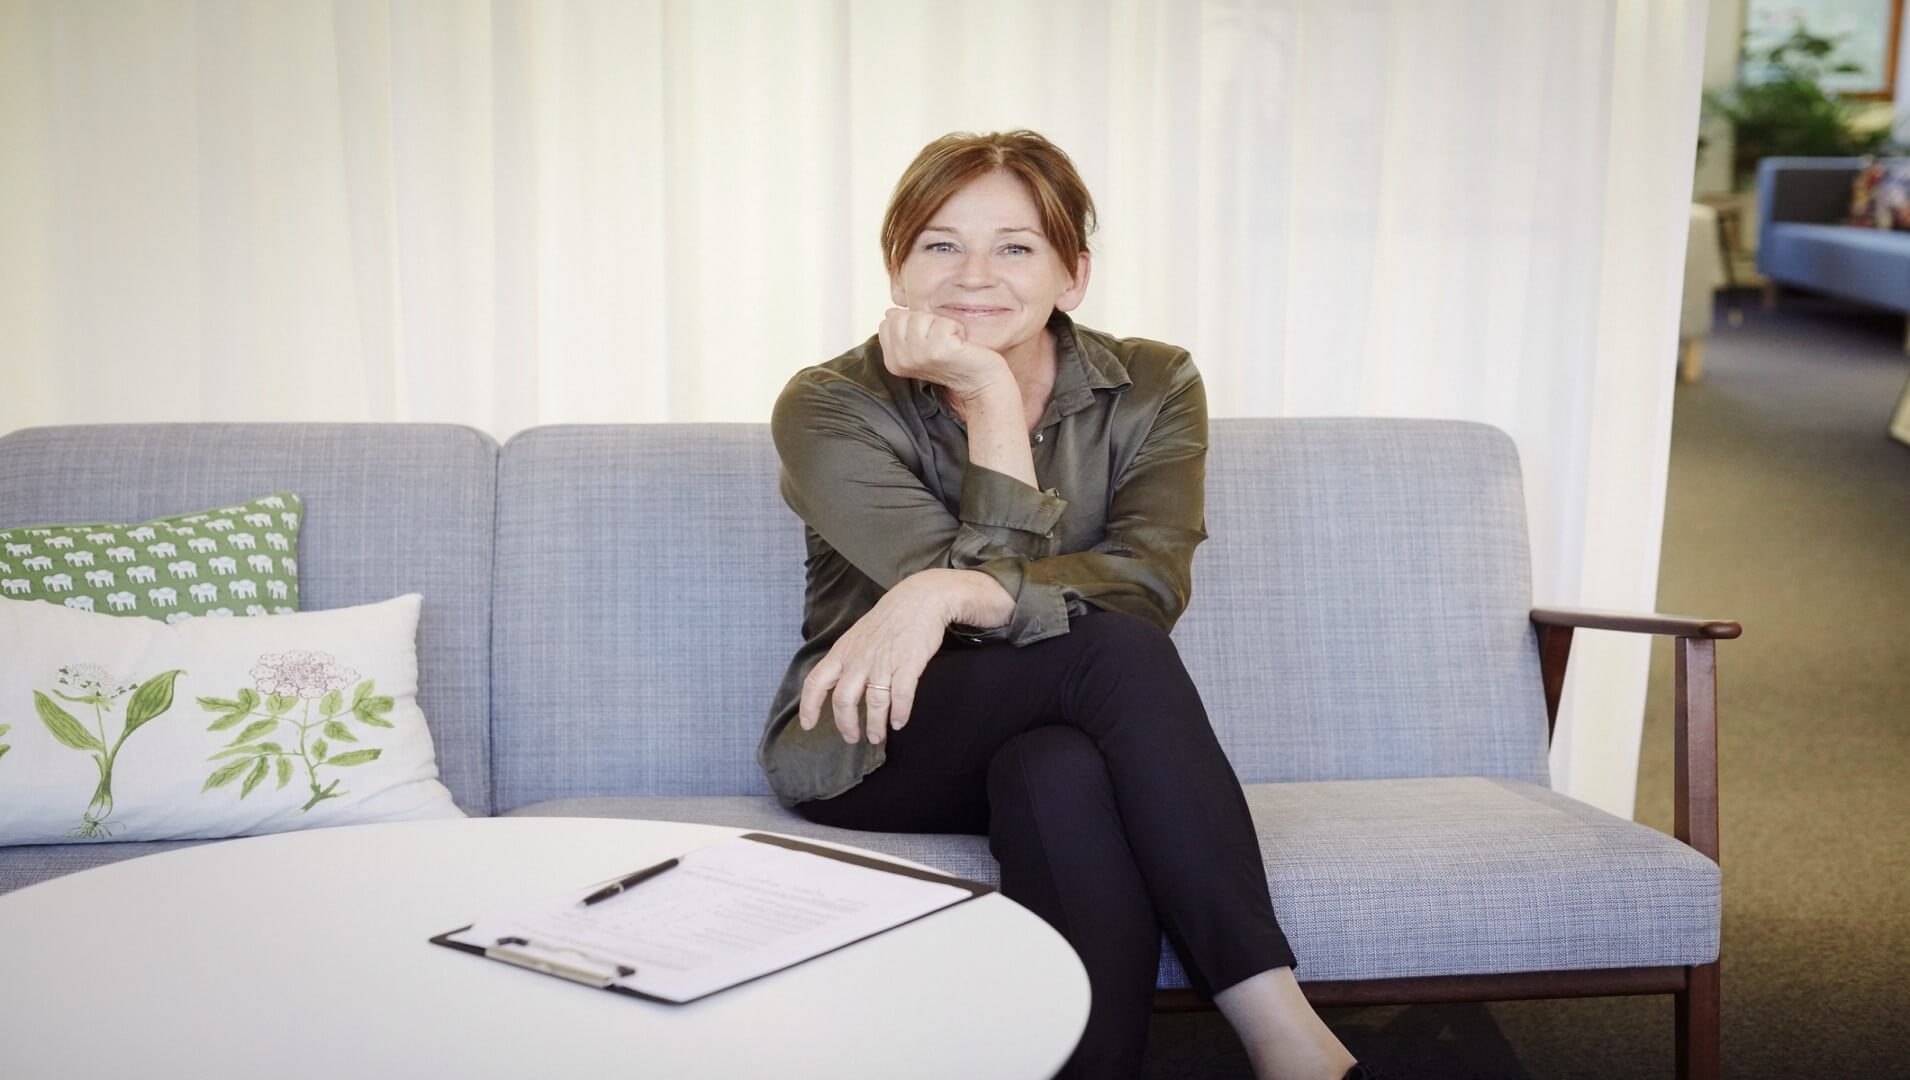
{"x": 1691, "y": 360}
{"x": 1699, "y": 1024}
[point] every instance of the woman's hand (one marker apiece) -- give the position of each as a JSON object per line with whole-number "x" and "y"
{"x": 926, "y": 346}
{"x": 889, "y": 646}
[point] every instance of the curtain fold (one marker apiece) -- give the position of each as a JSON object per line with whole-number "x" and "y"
{"x": 516, "y": 213}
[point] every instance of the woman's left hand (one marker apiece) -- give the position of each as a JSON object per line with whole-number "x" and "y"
{"x": 888, "y": 647}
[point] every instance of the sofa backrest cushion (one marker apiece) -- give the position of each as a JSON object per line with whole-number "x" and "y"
{"x": 1362, "y": 605}
{"x": 1360, "y": 610}
{"x": 648, "y": 596}
{"x": 389, "y": 509}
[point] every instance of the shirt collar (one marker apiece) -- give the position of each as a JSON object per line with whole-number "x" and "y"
{"x": 1082, "y": 366}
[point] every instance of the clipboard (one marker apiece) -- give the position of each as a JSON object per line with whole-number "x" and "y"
{"x": 603, "y": 976}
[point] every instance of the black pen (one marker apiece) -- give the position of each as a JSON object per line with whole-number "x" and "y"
{"x": 621, "y": 884}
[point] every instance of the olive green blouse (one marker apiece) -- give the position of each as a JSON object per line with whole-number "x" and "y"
{"x": 877, "y": 467}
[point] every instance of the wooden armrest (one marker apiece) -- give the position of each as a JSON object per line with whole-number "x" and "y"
{"x": 1668, "y": 625}
{"x": 1695, "y": 732}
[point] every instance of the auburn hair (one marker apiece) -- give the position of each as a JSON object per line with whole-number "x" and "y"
{"x": 946, "y": 165}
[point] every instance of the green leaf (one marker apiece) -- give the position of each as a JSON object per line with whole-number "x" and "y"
{"x": 279, "y": 704}
{"x": 248, "y": 699}
{"x": 215, "y": 704}
{"x": 320, "y": 749}
{"x": 329, "y": 704}
{"x": 257, "y": 729}
{"x": 285, "y": 772}
{"x": 4, "y": 728}
{"x": 228, "y": 720}
{"x": 4, "y": 749}
{"x": 266, "y": 749}
{"x": 368, "y": 711}
{"x": 252, "y": 778}
{"x": 64, "y": 727}
{"x": 356, "y": 757}
{"x": 336, "y": 729}
{"x": 225, "y": 775}
{"x": 361, "y": 693}
{"x": 153, "y": 697}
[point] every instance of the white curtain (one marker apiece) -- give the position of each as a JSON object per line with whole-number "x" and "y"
{"x": 516, "y": 213}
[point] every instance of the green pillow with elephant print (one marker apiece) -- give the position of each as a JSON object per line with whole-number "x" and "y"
{"x": 230, "y": 560}
{"x": 132, "y": 729}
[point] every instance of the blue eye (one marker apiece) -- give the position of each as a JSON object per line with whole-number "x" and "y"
{"x": 1017, "y": 249}
{"x": 935, "y": 245}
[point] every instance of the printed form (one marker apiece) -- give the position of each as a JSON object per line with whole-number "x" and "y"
{"x": 726, "y": 913}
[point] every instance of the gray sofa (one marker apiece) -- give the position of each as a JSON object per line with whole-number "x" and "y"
{"x": 608, "y": 610}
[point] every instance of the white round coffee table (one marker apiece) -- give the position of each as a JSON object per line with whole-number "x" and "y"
{"x": 304, "y": 954}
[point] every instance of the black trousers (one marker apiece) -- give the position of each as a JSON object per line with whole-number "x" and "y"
{"x": 1089, "y": 763}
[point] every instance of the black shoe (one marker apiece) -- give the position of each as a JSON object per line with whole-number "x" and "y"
{"x": 1362, "y": 1072}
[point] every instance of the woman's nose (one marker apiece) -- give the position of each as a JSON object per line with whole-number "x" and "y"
{"x": 977, "y": 270}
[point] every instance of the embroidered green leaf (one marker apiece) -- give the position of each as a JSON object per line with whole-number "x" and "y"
{"x": 336, "y": 729}
{"x": 153, "y": 697}
{"x": 257, "y": 729}
{"x": 234, "y": 711}
{"x": 285, "y": 772}
{"x": 329, "y": 704}
{"x": 4, "y": 749}
{"x": 228, "y": 720}
{"x": 356, "y": 757}
{"x": 252, "y": 778}
{"x": 64, "y": 727}
{"x": 279, "y": 704}
{"x": 225, "y": 775}
{"x": 370, "y": 710}
{"x": 362, "y": 692}
{"x": 320, "y": 749}
{"x": 254, "y": 748}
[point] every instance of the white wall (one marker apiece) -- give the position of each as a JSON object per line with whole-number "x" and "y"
{"x": 1722, "y": 29}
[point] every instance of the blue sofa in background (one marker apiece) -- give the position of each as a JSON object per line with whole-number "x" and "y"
{"x": 608, "y": 610}
{"x": 1803, "y": 204}
{"x": 1804, "y": 238}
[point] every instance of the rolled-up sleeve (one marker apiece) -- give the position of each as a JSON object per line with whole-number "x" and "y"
{"x": 1143, "y": 564}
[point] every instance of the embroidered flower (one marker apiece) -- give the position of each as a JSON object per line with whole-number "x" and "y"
{"x": 301, "y": 674}
{"x": 87, "y": 679}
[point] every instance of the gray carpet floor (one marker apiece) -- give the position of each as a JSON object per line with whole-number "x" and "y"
{"x": 1789, "y": 511}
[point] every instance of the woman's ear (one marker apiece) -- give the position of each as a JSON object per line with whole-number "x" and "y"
{"x": 1071, "y": 297}
{"x": 896, "y": 296}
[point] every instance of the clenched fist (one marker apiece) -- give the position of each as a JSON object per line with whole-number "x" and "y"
{"x": 926, "y": 346}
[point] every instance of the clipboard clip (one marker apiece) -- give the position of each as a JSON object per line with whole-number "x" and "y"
{"x": 517, "y": 950}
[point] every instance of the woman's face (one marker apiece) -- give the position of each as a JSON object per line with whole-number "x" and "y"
{"x": 983, "y": 261}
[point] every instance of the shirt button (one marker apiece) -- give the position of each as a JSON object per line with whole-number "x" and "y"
{"x": 1037, "y": 436}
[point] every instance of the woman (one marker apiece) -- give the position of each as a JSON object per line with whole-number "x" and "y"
{"x": 1002, "y": 508}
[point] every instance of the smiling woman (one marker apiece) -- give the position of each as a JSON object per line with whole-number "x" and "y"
{"x": 1002, "y": 509}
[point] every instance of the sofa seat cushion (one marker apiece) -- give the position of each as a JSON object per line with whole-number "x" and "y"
{"x": 1376, "y": 879}
{"x": 1867, "y": 265}
{"x": 30, "y": 864}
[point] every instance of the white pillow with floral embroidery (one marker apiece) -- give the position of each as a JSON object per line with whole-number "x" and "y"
{"x": 132, "y": 729}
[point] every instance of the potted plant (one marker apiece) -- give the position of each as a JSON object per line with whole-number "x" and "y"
{"x": 1787, "y": 113}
